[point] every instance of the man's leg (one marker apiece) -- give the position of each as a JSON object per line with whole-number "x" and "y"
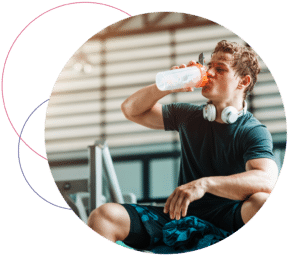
{"x": 110, "y": 220}
{"x": 252, "y": 205}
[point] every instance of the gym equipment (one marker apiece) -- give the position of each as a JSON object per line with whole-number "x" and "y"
{"x": 100, "y": 161}
{"x": 101, "y": 187}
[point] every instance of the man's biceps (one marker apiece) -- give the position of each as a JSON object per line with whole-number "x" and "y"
{"x": 260, "y": 164}
{"x": 154, "y": 122}
{"x": 151, "y": 119}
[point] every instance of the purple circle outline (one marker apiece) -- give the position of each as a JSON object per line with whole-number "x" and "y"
{"x": 2, "y": 79}
{"x": 21, "y": 165}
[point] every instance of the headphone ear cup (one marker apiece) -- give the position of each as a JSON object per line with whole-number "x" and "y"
{"x": 229, "y": 115}
{"x": 209, "y": 112}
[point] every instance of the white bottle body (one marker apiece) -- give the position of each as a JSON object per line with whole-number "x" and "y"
{"x": 178, "y": 78}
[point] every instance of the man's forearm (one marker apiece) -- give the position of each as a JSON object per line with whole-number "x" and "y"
{"x": 235, "y": 187}
{"x": 142, "y": 100}
{"x": 239, "y": 186}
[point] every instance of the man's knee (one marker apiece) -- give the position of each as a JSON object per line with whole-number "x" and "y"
{"x": 104, "y": 212}
{"x": 96, "y": 216}
{"x": 252, "y": 205}
{"x": 258, "y": 199}
{"x": 110, "y": 219}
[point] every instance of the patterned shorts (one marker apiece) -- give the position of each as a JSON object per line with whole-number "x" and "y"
{"x": 147, "y": 221}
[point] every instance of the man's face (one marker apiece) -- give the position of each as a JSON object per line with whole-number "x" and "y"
{"x": 222, "y": 81}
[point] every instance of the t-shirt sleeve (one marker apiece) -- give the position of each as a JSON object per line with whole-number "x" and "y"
{"x": 176, "y": 114}
{"x": 258, "y": 144}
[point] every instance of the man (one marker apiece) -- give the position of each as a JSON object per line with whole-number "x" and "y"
{"x": 227, "y": 167}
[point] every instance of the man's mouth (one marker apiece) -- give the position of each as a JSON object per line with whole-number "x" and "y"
{"x": 207, "y": 86}
{"x": 208, "y": 83}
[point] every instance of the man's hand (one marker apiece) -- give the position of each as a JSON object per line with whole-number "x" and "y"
{"x": 178, "y": 202}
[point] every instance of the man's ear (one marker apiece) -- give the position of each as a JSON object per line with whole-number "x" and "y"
{"x": 244, "y": 82}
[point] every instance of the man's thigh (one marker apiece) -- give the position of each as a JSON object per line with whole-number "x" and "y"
{"x": 146, "y": 223}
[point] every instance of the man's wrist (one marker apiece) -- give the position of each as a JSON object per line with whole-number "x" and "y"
{"x": 204, "y": 183}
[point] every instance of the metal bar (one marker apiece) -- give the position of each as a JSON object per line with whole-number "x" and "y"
{"x": 147, "y": 156}
{"x": 146, "y": 179}
{"x": 95, "y": 136}
{"x": 111, "y": 175}
{"x": 92, "y": 178}
{"x": 95, "y": 180}
{"x": 80, "y": 206}
{"x": 159, "y": 18}
{"x": 157, "y": 200}
{"x": 144, "y": 156}
{"x": 153, "y": 27}
{"x": 98, "y": 176}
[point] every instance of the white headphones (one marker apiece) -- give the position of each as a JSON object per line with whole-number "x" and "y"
{"x": 229, "y": 114}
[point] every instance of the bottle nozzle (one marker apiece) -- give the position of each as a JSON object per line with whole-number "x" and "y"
{"x": 201, "y": 58}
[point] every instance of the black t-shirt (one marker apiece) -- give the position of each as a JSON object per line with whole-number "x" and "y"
{"x": 212, "y": 148}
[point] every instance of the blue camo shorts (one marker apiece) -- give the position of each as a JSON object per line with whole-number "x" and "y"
{"x": 147, "y": 221}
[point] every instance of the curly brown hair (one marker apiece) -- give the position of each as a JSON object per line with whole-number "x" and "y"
{"x": 245, "y": 61}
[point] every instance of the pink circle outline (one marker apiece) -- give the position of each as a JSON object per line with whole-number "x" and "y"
{"x": 2, "y": 79}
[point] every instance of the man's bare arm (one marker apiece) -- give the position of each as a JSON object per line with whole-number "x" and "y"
{"x": 142, "y": 107}
{"x": 260, "y": 176}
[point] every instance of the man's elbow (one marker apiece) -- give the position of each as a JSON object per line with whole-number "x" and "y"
{"x": 271, "y": 178}
{"x": 271, "y": 184}
{"x": 268, "y": 188}
{"x": 267, "y": 172}
{"x": 126, "y": 109}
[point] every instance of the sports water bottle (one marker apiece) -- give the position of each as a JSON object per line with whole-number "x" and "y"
{"x": 193, "y": 76}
